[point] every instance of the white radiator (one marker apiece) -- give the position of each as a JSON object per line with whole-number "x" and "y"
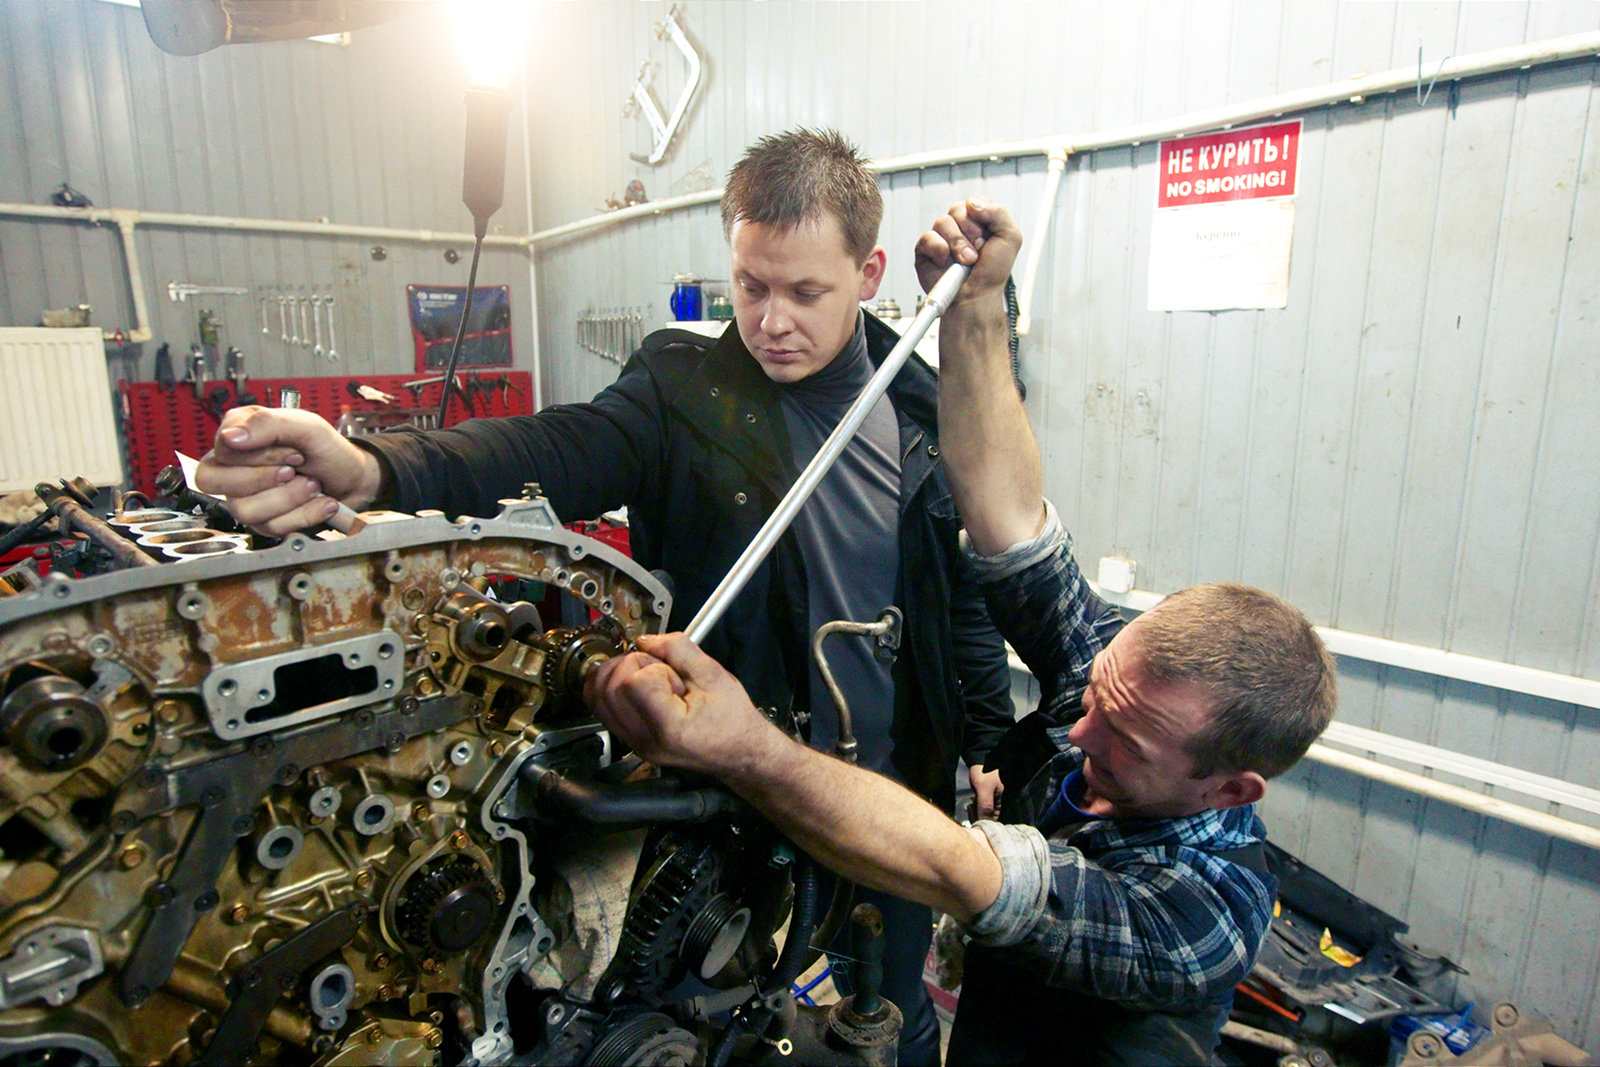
{"x": 55, "y": 408}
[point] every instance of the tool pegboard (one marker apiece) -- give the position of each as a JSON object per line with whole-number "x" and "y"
{"x": 161, "y": 423}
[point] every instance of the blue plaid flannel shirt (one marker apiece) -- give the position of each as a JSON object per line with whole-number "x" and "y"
{"x": 1135, "y": 911}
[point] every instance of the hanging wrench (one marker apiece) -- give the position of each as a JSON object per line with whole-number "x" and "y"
{"x": 283, "y": 318}
{"x": 264, "y": 328}
{"x": 333, "y": 353}
{"x": 316, "y": 322}
{"x": 305, "y": 332}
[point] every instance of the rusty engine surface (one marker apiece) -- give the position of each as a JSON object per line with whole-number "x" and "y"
{"x": 335, "y": 801}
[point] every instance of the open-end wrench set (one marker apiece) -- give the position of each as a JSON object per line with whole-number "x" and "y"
{"x": 304, "y": 319}
{"x": 611, "y": 333}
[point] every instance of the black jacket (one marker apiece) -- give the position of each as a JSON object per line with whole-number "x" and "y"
{"x": 691, "y": 438}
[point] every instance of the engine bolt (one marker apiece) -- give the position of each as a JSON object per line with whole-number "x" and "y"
{"x": 420, "y": 811}
{"x": 238, "y": 914}
{"x": 497, "y": 748}
{"x": 458, "y": 840}
{"x": 426, "y": 686}
{"x": 364, "y": 878}
{"x": 434, "y": 1039}
{"x": 430, "y": 966}
{"x": 169, "y": 711}
{"x": 131, "y": 857}
{"x": 374, "y": 1036}
{"x": 380, "y": 962}
{"x": 385, "y": 992}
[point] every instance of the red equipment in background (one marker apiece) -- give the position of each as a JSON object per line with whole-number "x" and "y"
{"x": 160, "y": 423}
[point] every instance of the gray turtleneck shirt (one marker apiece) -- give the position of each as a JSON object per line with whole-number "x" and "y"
{"x": 849, "y": 535}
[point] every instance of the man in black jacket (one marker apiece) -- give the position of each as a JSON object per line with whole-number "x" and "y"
{"x": 700, "y": 440}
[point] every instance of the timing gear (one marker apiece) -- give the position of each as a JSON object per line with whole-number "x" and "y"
{"x": 448, "y": 907}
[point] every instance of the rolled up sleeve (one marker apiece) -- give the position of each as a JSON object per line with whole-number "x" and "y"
{"x": 1020, "y": 556}
{"x": 1024, "y": 884}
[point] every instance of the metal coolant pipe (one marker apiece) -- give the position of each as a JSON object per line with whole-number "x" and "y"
{"x": 734, "y": 581}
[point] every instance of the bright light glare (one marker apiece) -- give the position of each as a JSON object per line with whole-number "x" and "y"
{"x": 491, "y": 32}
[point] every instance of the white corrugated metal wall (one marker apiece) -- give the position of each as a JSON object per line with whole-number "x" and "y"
{"x": 294, "y": 130}
{"x": 1409, "y": 449}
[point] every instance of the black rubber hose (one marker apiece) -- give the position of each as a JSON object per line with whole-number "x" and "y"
{"x": 802, "y": 923}
{"x": 844, "y": 892}
{"x": 723, "y": 1049}
{"x": 791, "y": 962}
{"x": 626, "y": 805}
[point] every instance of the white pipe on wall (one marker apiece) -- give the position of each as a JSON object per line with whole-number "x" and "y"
{"x": 1498, "y": 775}
{"x": 142, "y": 331}
{"x": 1047, "y": 204}
{"x": 1435, "y": 661}
{"x": 1348, "y": 91}
{"x": 638, "y": 211}
{"x": 126, "y": 220}
{"x": 175, "y": 220}
{"x": 1565, "y": 829}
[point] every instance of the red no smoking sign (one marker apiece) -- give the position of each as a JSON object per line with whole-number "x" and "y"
{"x": 1250, "y": 164}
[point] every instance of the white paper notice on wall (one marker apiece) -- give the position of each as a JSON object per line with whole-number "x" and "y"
{"x": 1224, "y": 220}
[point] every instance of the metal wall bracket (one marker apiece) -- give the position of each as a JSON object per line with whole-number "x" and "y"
{"x": 643, "y": 101}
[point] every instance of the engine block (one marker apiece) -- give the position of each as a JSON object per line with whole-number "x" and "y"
{"x": 253, "y": 804}
{"x": 336, "y": 801}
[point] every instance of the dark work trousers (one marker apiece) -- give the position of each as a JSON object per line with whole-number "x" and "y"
{"x": 908, "y": 931}
{"x": 1009, "y": 1016}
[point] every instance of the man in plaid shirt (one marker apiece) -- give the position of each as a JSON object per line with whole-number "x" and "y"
{"x": 1124, "y": 896}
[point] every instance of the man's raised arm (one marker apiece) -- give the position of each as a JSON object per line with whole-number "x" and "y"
{"x": 988, "y": 447}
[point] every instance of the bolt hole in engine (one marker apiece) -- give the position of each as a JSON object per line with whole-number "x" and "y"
{"x": 322, "y": 835}
{"x": 65, "y": 742}
{"x": 333, "y": 992}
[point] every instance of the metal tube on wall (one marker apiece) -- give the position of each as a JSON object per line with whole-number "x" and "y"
{"x": 1030, "y": 274}
{"x": 176, "y": 220}
{"x": 1349, "y": 91}
{"x": 1565, "y": 829}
